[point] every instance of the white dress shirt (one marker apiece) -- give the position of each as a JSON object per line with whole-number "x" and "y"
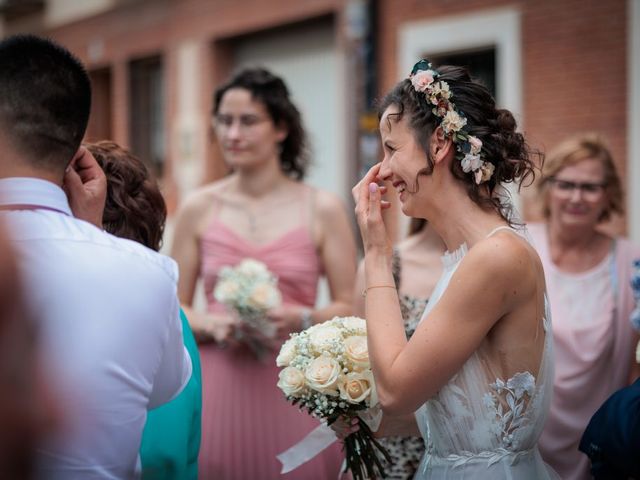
{"x": 110, "y": 331}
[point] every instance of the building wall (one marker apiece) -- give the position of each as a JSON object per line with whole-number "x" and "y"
{"x": 574, "y": 66}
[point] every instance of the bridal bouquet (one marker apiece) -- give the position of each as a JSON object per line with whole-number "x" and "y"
{"x": 250, "y": 290}
{"x": 327, "y": 372}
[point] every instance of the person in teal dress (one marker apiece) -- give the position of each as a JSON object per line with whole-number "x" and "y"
{"x": 135, "y": 209}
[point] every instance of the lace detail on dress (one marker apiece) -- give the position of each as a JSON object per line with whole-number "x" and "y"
{"x": 508, "y": 403}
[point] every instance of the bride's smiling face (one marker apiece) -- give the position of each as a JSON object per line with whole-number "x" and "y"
{"x": 403, "y": 159}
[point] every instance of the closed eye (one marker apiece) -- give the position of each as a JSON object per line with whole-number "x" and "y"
{"x": 389, "y": 147}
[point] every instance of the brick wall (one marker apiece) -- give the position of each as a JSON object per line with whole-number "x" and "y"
{"x": 574, "y": 60}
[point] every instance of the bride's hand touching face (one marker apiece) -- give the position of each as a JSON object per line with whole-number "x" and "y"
{"x": 367, "y": 195}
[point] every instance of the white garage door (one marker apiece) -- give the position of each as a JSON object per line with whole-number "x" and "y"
{"x": 307, "y": 59}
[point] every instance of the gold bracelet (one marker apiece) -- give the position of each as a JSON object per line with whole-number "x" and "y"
{"x": 364, "y": 292}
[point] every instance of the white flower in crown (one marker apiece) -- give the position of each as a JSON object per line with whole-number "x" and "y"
{"x": 476, "y": 144}
{"x": 453, "y": 122}
{"x": 441, "y": 89}
{"x": 484, "y": 173}
{"x": 422, "y": 80}
{"x": 471, "y": 162}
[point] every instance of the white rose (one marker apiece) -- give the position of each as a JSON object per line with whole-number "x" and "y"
{"x": 356, "y": 350}
{"x": 264, "y": 297}
{"x": 226, "y": 291}
{"x": 287, "y": 353}
{"x": 356, "y": 387}
{"x": 291, "y": 381}
{"x": 253, "y": 268}
{"x": 355, "y": 323}
{"x": 322, "y": 337}
{"x": 322, "y": 374}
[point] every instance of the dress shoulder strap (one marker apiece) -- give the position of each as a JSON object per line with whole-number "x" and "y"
{"x": 502, "y": 227}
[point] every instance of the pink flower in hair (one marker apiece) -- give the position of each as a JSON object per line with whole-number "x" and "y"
{"x": 422, "y": 80}
{"x": 476, "y": 144}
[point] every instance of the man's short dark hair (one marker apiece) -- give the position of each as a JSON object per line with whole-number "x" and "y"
{"x": 45, "y": 100}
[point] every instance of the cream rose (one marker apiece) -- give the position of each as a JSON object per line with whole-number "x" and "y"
{"x": 264, "y": 296}
{"x": 291, "y": 381}
{"x": 323, "y": 336}
{"x": 356, "y": 350}
{"x": 356, "y": 387}
{"x": 287, "y": 353}
{"x": 226, "y": 291}
{"x": 322, "y": 374}
{"x": 355, "y": 323}
{"x": 253, "y": 269}
{"x": 484, "y": 173}
{"x": 453, "y": 122}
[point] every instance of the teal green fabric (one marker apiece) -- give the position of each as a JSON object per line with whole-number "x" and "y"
{"x": 171, "y": 436}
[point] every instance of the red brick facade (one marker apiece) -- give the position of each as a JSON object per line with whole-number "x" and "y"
{"x": 574, "y": 55}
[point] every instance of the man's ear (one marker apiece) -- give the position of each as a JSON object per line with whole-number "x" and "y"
{"x": 440, "y": 145}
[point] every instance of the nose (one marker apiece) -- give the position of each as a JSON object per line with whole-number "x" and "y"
{"x": 385, "y": 169}
{"x": 576, "y": 194}
{"x": 233, "y": 131}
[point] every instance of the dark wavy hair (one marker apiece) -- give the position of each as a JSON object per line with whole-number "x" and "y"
{"x": 274, "y": 94}
{"x": 45, "y": 99}
{"x": 135, "y": 208}
{"x": 502, "y": 145}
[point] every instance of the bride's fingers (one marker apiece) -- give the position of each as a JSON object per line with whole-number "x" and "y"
{"x": 359, "y": 192}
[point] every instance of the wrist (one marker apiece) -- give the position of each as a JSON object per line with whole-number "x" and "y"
{"x": 306, "y": 320}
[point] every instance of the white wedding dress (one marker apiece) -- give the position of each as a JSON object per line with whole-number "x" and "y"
{"x": 481, "y": 425}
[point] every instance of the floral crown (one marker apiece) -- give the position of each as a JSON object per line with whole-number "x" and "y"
{"x": 468, "y": 148}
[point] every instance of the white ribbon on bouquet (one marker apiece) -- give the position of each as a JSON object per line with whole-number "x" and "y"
{"x": 320, "y": 438}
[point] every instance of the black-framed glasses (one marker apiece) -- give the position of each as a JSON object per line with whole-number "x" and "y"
{"x": 590, "y": 190}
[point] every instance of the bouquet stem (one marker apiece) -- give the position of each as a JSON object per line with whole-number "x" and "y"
{"x": 362, "y": 454}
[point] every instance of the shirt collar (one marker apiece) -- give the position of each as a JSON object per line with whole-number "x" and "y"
{"x": 21, "y": 192}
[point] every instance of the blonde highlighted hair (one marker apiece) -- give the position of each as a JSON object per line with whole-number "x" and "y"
{"x": 574, "y": 150}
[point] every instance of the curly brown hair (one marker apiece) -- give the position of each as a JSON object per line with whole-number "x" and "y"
{"x": 502, "y": 145}
{"x": 135, "y": 208}
{"x": 271, "y": 91}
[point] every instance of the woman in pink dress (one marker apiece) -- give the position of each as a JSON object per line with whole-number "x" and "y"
{"x": 261, "y": 210}
{"x": 587, "y": 274}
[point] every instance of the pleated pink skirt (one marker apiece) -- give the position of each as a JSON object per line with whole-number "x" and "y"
{"x": 246, "y": 421}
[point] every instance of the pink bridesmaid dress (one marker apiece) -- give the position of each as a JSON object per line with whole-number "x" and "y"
{"x": 246, "y": 420}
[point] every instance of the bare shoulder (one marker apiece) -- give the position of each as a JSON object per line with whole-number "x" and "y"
{"x": 197, "y": 205}
{"x": 505, "y": 258}
{"x": 328, "y": 204}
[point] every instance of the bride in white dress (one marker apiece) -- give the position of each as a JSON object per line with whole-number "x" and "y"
{"x": 477, "y": 375}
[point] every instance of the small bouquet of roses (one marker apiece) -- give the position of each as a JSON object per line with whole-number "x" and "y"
{"x": 250, "y": 290}
{"x": 327, "y": 372}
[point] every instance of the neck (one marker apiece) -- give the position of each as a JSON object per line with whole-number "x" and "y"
{"x": 573, "y": 237}
{"x": 457, "y": 219}
{"x": 14, "y": 165}
{"x": 259, "y": 182}
{"x": 429, "y": 239}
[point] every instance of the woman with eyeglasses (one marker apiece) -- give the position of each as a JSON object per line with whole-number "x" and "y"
{"x": 587, "y": 274}
{"x": 261, "y": 210}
